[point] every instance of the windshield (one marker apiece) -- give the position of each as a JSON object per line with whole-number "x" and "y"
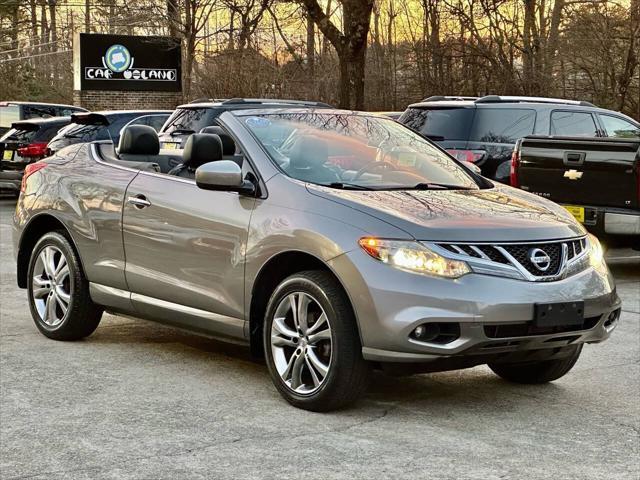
{"x": 354, "y": 151}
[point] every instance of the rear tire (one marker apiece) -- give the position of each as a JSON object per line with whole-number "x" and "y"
{"x": 537, "y": 372}
{"x": 59, "y": 298}
{"x": 315, "y": 357}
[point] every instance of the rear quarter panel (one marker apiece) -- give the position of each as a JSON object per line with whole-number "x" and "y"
{"x": 86, "y": 197}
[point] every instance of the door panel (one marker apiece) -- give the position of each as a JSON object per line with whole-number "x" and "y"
{"x": 187, "y": 246}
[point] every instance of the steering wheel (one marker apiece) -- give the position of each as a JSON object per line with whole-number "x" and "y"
{"x": 373, "y": 166}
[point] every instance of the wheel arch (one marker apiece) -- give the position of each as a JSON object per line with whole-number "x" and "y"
{"x": 270, "y": 275}
{"x": 33, "y": 231}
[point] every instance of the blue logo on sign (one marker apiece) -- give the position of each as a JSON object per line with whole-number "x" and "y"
{"x": 117, "y": 59}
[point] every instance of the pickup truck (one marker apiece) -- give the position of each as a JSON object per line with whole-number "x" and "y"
{"x": 596, "y": 179}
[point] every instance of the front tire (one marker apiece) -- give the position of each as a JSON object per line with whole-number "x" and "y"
{"x": 312, "y": 345}
{"x": 537, "y": 372}
{"x": 59, "y": 298}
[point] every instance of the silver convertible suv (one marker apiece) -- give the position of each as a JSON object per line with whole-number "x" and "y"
{"x": 331, "y": 242}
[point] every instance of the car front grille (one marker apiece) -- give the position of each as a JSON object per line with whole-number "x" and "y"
{"x": 539, "y": 261}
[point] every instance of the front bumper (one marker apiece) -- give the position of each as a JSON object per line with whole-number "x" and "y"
{"x": 390, "y": 303}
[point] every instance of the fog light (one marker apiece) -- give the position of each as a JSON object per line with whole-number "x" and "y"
{"x": 426, "y": 332}
{"x": 612, "y": 317}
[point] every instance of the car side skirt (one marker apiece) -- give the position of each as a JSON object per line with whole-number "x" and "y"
{"x": 173, "y": 314}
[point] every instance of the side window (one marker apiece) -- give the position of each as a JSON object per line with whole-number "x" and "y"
{"x": 573, "y": 124}
{"x": 66, "y": 111}
{"x": 156, "y": 121}
{"x": 619, "y": 127}
{"x": 502, "y": 125}
{"x": 36, "y": 111}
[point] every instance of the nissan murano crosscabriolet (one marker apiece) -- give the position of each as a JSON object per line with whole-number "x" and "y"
{"x": 331, "y": 242}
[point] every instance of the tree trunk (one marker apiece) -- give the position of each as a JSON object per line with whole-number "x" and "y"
{"x": 311, "y": 46}
{"x": 87, "y": 16}
{"x": 527, "y": 46}
{"x": 173, "y": 18}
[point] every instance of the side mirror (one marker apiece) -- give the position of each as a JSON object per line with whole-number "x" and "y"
{"x": 223, "y": 175}
{"x": 473, "y": 167}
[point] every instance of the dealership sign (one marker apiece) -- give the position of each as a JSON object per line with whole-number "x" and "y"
{"x": 119, "y": 62}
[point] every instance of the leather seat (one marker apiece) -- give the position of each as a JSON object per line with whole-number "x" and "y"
{"x": 140, "y": 144}
{"x": 228, "y": 144}
{"x": 200, "y": 148}
{"x": 308, "y": 161}
{"x": 138, "y": 140}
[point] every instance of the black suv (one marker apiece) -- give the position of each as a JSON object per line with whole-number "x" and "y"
{"x": 484, "y": 130}
{"x": 11, "y": 112}
{"x": 193, "y": 117}
{"x": 25, "y": 143}
{"x": 108, "y": 127}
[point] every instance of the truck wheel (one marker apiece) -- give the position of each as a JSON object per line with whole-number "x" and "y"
{"x": 312, "y": 344}
{"x": 59, "y": 292}
{"x": 537, "y": 372}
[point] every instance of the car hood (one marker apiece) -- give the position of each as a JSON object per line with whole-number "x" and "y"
{"x": 498, "y": 214}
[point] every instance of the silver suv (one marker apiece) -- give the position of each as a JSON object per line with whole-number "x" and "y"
{"x": 331, "y": 242}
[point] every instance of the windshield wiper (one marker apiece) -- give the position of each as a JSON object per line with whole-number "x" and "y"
{"x": 182, "y": 131}
{"x": 347, "y": 186}
{"x": 435, "y": 186}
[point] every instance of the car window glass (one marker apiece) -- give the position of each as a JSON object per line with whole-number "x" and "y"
{"x": 573, "y": 124}
{"x": 117, "y": 124}
{"x": 20, "y": 136}
{"x": 156, "y": 121}
{"x": 67, "y": 111}
{"x": 190, "y": 120}
{"x": 8, "y": 115}
{"x": 83, "y": 133}
{"x": 38, "y": 111}
{"x": 502, "y": 125}
{"x": 364, "y": 151}
{"x": 448, "y": 123}
{"x": 47, "y": 132}
{"x": 619, "y": 127}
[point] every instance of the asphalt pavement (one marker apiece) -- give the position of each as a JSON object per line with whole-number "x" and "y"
{"x": 145, "y": 401}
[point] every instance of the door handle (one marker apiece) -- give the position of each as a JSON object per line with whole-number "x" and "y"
{"x": 139, "y": 201}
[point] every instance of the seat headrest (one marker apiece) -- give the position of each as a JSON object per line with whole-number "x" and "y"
{"x": 201, "y": 148}
{"x": 309, "y": 152}
{"x": 139, "y": 140}
{"x": 228, "y": 145}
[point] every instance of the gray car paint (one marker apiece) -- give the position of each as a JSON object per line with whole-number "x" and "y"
{"x": 193, "y": 256}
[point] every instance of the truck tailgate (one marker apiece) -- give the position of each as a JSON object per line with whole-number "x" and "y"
{"x": 581, "y": 171}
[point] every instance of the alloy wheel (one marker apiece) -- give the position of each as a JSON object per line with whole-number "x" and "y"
{"x": 301, "y": 343}
{"x": 51, "y": 283}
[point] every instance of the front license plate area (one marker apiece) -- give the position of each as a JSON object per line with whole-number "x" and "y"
{"x": 558, "y": 314}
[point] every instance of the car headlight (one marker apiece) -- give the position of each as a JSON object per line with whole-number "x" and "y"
{"x": 596, "y": 253}
{"x": 413, "y": 256}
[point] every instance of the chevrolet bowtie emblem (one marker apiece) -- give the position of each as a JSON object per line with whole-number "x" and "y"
{"x": 572, "y": 174}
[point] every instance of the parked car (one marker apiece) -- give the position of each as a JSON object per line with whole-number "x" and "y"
{"x": 335, "y": 242}
{"x": 596, "y": 179}
{"x": 85, "y": 127}
{"x": 484, "y": 130}
{"x": 11, "y": 112}
{"x": 195, "y": 116}
{"x": 156, "y": 121}
{"x": 393, "y": 115}
{"x": 25, "y": 143}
